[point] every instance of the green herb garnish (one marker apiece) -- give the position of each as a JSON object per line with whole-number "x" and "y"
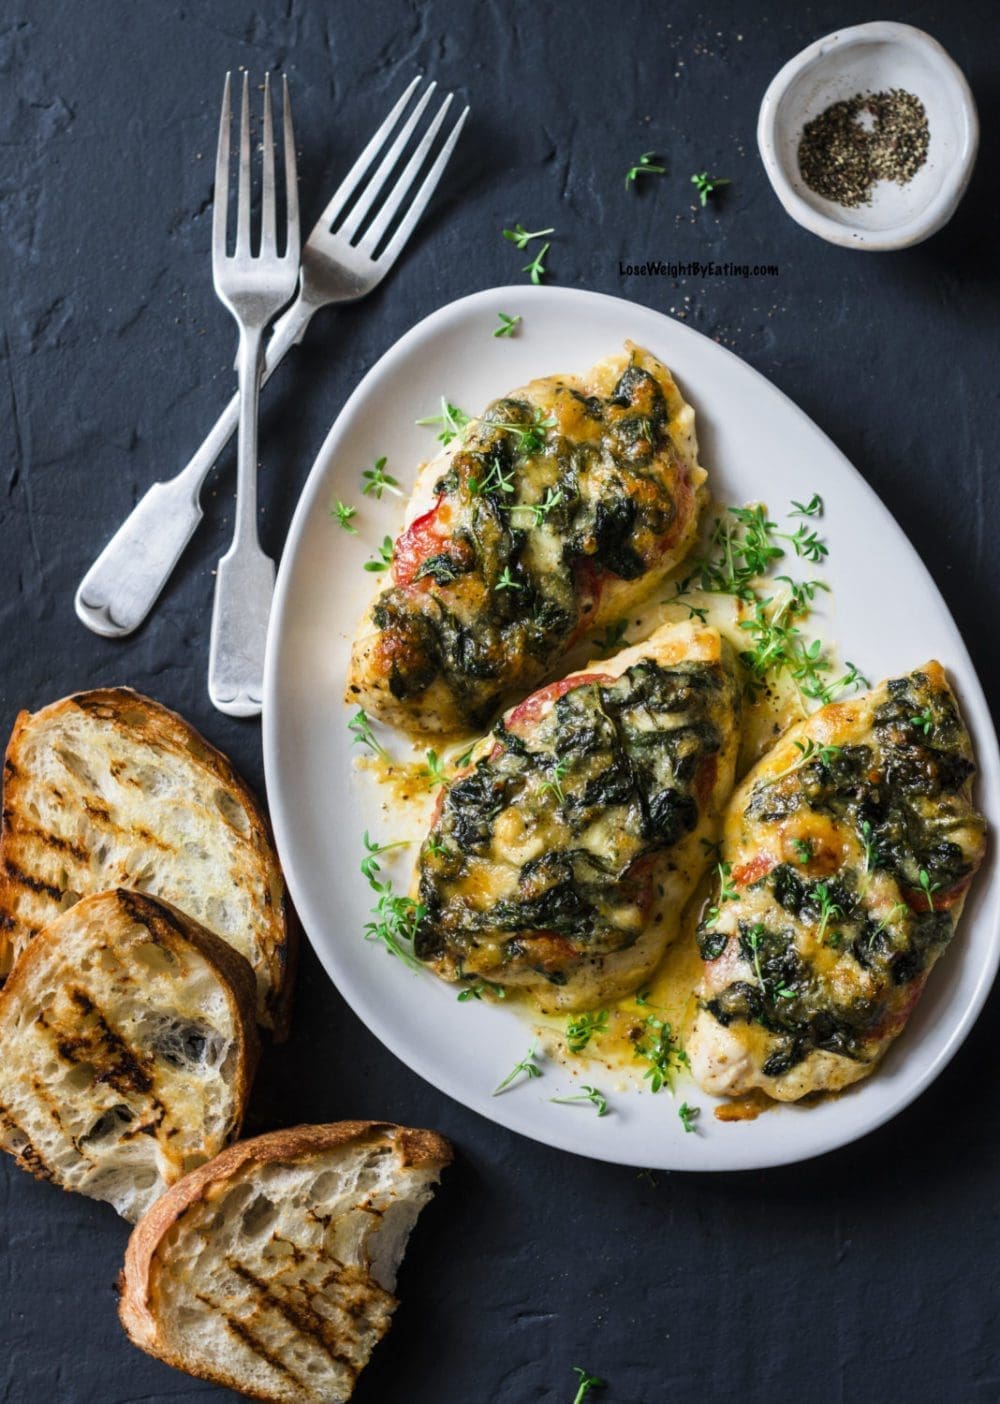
{"x": 688, "y": 1116}
{"x": 644, "y": 166}
{"x": 706, "y": 185}
{"x": 343, "y": 513}
{"x": 477, "y": 991}
{"x": 661, "y": 1051}
{"x": 452, "y": 421}
{"x": 588, "y": 1094}
{"x": 521, "y": 237}
{"x": 384, "y": 558}
{"x": 507, "y": 325}
{"x": 527, "y": 1067}
{"x": 928, "y": 888}
{"x": 505, "y": 581}
{"x": 434, "y": 771}
{"x": 581, "y": 1029}
{"x": 377, "y": 481}
{"x": 370, "y": 865}
{"x": 587, "y": 1383}
{"x": 924, "y": 721}
{"x": 536, "y": 268}
{"x": 361, "y": 728}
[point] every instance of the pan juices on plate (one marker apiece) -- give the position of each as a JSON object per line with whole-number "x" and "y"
{"x": 554, "y": 512}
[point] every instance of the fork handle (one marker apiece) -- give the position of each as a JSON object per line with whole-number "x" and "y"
{"x": 123, "y": 584}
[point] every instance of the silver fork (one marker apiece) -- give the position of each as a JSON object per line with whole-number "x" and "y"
{"x": 122, "y": 585}
{"x": 255, "y": 287}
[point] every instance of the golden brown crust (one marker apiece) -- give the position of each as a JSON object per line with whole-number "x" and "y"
{"x": 156, "y": 725}
{"x": 417, "y": 1148}
{"x": 171, "y": 929}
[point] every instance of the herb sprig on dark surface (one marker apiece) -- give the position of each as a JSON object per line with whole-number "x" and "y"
{"x": 644, "y": 166}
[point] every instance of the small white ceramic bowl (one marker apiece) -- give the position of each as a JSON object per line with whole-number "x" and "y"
{"x": 870, "y": 58}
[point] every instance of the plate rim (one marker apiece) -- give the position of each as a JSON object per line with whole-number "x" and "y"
{"x": 988, "y": 752}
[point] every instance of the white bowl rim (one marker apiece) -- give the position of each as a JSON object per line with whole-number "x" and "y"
{"x": 936, "y": 214}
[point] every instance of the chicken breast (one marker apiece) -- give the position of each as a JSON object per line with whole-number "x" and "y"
{"x": 561, "y": 859}
{"x": 563, "y": 504}
{"x": 847, "y": 854}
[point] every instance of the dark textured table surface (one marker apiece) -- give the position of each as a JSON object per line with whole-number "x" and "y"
{"x": 868, "y": 1275}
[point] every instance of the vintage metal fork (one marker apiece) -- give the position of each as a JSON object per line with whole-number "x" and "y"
{"x": 122, "y": 585}
{"x": 255, "y": 287}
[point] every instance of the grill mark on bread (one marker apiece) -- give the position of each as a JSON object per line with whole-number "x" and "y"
{"x": 243, "y": 1332}
{"x": 27, "y": 1155}
{"x": 115, "y": 1061}
{"x": 33, "y": 884}
{"x": 302, "y": 1316}
{"x": 44, "y": 837}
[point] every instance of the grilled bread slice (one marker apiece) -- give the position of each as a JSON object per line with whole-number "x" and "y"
{"x": 271, "y": 1269}
{"x": 107, "y": 789}
{"x": 129, "y": 1045}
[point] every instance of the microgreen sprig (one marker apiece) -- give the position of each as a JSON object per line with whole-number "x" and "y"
{"x": 707, "y": 185}
{"x": 613, "y": 637}
{"x": 370, "y": 866}
{"x": 538, "y": 511}
{"x": 522, "y": 237}
{"x": 505, "y": 581}
{"x": 452, "y": 420}
{"x": 527, "y": 1067}
{"x": 536, "y": 268}
{"x": 661, "y": 1051}
{"x": 727, "y": 892}
{"x": 688, "y": 1116}
{"x": 434, "y": 771}
{"x": 395, "y": 924}
{"x": 553, "y": 784}
{"x": 361, "y": 729}
{"x": 924, "y": 721}
{"x": 828, "y": 908}
{"x": 581, "y": 1029}
{"x": 812, "y": 508}
{"x": 377, "y": 481}
{"x": 587, "y": 1383}
{"x": 928, "y": 888}
{"x": 507, "y": 325}
{"x": 588, "y": 1094}
{"x": 343, "y": 514}
{"x": 644, "y": 166}
{"x": 477, "y": 991}
{"x": 384, "y": 558}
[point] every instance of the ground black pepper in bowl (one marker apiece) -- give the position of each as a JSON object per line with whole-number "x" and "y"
{"x": 853, "y": 144}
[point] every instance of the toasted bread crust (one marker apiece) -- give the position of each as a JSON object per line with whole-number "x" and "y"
{"x": 171, "y": 930}
{"x": 27, "y": 902}
{"x": 137, "y": 1282}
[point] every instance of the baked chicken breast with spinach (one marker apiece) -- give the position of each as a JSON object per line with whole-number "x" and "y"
{"x": 560, "y": 506}
{"x": 561, "y": 859}
{"x": 847, "y": 855}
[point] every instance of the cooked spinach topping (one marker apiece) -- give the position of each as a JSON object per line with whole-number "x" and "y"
{"x": 528, "y": 505}
{"x": 550, "y": 835}
{"x": 900, "y": 797}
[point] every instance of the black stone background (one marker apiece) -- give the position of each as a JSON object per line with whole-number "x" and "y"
{"x": 867, "y": 1275}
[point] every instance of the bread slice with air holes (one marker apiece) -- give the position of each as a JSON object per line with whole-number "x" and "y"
{"x": 129, "y": 1045}
{"x": 110, "y": 789}
{"x": 271, "y": 1269}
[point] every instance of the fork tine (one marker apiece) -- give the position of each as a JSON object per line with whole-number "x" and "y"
{"x": 268, "y": 234}
{"x": 392, "y": 249}
{"x": 374, "y": 186}
{"x": 220, "y": 206}
{"x": 291, "y": 179}
{"x": 398, "y": 192}
{"x": 346, "y": 187}
{"x": 243, "y": 192}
